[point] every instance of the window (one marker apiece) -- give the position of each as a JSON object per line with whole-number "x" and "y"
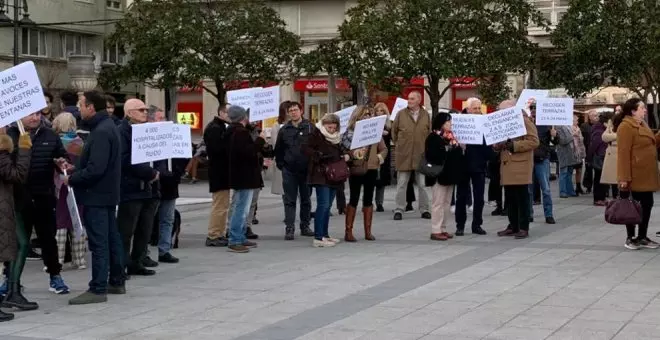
{"x": 552, "y": 10}
{"x": 57, "y": 41}
{"x": 112, "y": 54}
{"x": 34, "y": 42}
{"x": 114, "y": 4}
{"x": 75, "y": 44}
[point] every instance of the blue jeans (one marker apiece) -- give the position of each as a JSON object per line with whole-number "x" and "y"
{"x": 324, "y": 198}
{"x": 542, "y": 176}
{"x": 106, "y": 247}
{"x": 240, "y": 207}
{"x": 165, "y": 225}
{"x": 566, "y": 187}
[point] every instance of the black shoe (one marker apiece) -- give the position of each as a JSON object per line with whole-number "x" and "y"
{"x": 305, "y": 231}
{"x": 497, "y": 212}
{"x": 289, "y": 234}
{"x": 550, "y": 220}
{"x": 149, "y": 263}
{"x": 460, "y": 232}
{"x": 167, "y": 258}
{"x": 398, "y": 216}
{"x": 379, "y": 208}
{"x": 588, "y": 191}
{"x": 217, "y": 242}
{"x": 426, "y": 215}
{"x": 553, "y": 177}
{"x": 15, "y": 299}
{"x": 341, "y": 210}
{"x": 479, "y": 231}
{"x": 255, "y": 221}
{"x": 33, "y": 256}
{"x": 409, "y": 207}
{"x": 6, "y": 316}
{"x": 141, "y": 272}
{"x": 531, "y": 220}
{"x": 250, "y": 235}
{"x": 116, "y": 290}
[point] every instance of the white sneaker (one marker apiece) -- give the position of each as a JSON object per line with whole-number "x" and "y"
{"x": 331, "y": 239}
{"x": 470, "y": 209}
{"x": 322, "y": 243}
{"x": 453, "y": 209}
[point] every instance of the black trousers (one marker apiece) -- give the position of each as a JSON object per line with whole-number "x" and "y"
{"x": 588, "y": 177}
{"x": 135, "y": 220}
{"x": 646, "y": 201}
{"x": 599, "y": 190}
{"x": 39, "y": 212}
{"x": 356, "y": 183}
{"x": 476, "y": 181}
{"x": 517, "y": 198}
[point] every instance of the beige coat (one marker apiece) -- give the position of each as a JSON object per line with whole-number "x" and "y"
{"x": 409, "y": 138}
{"x": 516, "y": 168}
{"x": 609, "y": 165}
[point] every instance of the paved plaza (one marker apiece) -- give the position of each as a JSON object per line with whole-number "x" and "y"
{"x": 572, "y": 280}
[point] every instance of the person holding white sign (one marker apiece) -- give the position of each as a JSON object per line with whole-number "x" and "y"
{"x": 409, "y": 131}
{"x": 364, "y": 165}
{"x": 547, "y": 137}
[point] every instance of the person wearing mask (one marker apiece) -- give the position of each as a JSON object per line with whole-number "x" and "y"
{"x": 569, "y": 157}
{"x": 596, "y": 157}
{"x": 69, "y": 103}
{"x": 637, "y": 167}
{"x": 364, "y": 165}
{"x": 608, "y": 175}
{"x": 37, "y": 196}
{"x": 476, "y": 159}
{"x": 585, "y": 128}
{"x": 137, "y": 209}
{"x": 293, "y": 163}
{"x": 547, "y": 135}
{"x": 96, "y": 181}
{"x": 14, "y": 240}
{"x": 442, "y": 149}
{"x": 385, "y": 172}
{"x": 409, "y": 131}
{"x": 216, "y": 150}
{"x": 324, "y": 147}
{"x": 244, "y": 177}
{"x": 517, "y": 157}
{"x": 65, "y": 126}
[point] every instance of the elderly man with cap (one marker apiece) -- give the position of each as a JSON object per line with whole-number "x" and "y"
{"x": 137, "y": 207}
{"x": 244, "y": 176}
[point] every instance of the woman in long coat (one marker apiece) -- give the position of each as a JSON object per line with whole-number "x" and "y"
{"x": 609, "y": 164}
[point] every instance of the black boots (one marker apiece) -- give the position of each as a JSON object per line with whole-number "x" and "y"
{"x": 6, "y": 316}
{"x": 250, "y": 235}
{"x": 15, "y": 299}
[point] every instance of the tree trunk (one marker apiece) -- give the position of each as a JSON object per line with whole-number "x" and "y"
{"x": 654, "y": 96}
{"x": 354, "y": 93}
{"x": 434, "y": 94}
{"x": 332, "y": 97}
{"x": 221, "y": 94}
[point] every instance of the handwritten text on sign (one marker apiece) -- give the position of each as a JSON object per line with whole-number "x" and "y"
{"x": 368, "y": 132}
{"x": 20, "y": 93}
{"x": 554, "y": 111}
{"x": 344, "y": 117}
{"x": 265, "y": 103}
{"x": 243, "y": 98}
{"x": 502, "y": 125}
{"x": 468, "y": 128}
{"x": 151, "y": 142}
{"x": 181, "y": 141}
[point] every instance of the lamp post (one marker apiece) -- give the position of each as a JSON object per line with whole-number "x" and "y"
{"x": 82, "y": 71}
{"x": 5, "y": 21}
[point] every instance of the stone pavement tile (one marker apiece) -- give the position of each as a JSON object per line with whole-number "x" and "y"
{"x": 422, "y": 321}
{"x": 518, "y": 333}
{"x": 51, "y": 331}
{"x": 578, "y": 329}
{"x": 387, "y": 335}
{"x": 478, "y": 322}
{"x": 173, "y": 329}
{"x": 636, "y": 331}
{"x": 17, "y": 326}
{"x": 649, "y": 315}
{"x": 627, "y": 301}
{"x": 578, "y": 298}
{"x": 610, "y": 315}
{"x": 449, "y": 337}
{"x": 452, "y": 307}
{"x": 65, "y": 318}
{"x": 112, "y": 330}
{"x": 332, "y": 334}
{"x": 229, "y": 311}
{"x": 225, "y": 330}
{"x": 405, "y": 302}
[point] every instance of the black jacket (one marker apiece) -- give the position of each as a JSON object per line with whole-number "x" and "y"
{"x": 289, "y": 153}
{"x": 135, "y": 178}
{"x": 244, "y": 167}
{"x": 477, "y": 157}
{"x": 46, "y": 146}
{"x": 96, "y": 178}
{"x": 545, "y": 139}
{"x": 217, "y": 153}
{"x": 439, "y": 152}
{"x": 168, "y": 185}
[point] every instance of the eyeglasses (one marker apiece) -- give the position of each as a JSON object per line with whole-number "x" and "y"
{"x": 141, "y": 110}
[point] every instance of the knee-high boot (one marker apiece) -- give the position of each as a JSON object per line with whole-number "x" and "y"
{"x": 350, "y": 219}
{"x": 15, "y": 298}
{"x": 368, "y": 213}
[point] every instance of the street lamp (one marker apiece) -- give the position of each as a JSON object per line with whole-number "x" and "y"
{"x": 82, "y": 71}
{"x": 6, "y": 21}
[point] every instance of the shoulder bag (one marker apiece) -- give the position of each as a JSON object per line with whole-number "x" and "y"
{"x": 623, "y": 211}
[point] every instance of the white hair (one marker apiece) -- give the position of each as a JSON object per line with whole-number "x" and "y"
{"x": 473, "y": 100}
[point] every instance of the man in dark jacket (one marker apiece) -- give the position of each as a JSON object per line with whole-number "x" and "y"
{"x": 586, "y": 127}
{"x": 218, "y": 178}
{"x": 547, "y": 135}
{"x": 36, "y": 198}
{"x": 289, "y": 158}
{"x": 137, "y": 208}
{"x": 96, "y": 181}
{"x": 244, "y": 177}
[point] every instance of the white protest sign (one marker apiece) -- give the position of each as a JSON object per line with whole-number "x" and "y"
{"x": 368, "y": 132}
{"x": 151, "y": 142}
{"x": 399, "y": 105}
{"x": 345, "y": 116}
{"x": 181, "y": 145}
{"x": 554, "y": 111}
{"x": 266, "y": 103}
{"x": 468, "y": 128}
{"x": 72, "y": 206}
{"x": 20, "y": 93}
{"x": 502, "y": 125}
{"x": 528, "y": 94}
{"x": 243, "y": 97}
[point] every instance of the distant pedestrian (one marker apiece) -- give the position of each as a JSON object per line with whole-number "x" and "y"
{"x": 385, "y": 172}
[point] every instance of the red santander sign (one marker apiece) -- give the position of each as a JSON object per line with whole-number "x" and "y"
{"x": 319, "y": 85}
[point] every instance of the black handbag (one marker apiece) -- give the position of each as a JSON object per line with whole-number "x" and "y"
{"x": 427, "y": 169}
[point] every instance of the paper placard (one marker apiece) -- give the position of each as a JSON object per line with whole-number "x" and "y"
{"x": 243, "y": 97}
{"x": 368, "y": 132}
{"x": 502, "y": 125}
{"x": 20, "y": 92}
{"x": 266, "y": 103}
{"x": 151, "y": 142}
{"x": 344, "y": 117}
{"x": 181, "y": 145}
{"x": 527, "y": 94}
{"x": 554, "y": 111}
{"x": 468, "y": 128}
{"x": 72, "y": 206}
{"x": 399, "y": 105}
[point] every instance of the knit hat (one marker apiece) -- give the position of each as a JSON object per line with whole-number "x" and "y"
{"x": 440, "y": 120}
{"x": 331, "y": 118}
{"x": 236, "y": 113}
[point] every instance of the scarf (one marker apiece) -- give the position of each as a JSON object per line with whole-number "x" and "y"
{"x": 333, "y": 138}
{"x": 448, "y": 136}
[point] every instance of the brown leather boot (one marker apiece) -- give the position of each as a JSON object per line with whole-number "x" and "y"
{"x": 350, "y": 218}
{"x": 368, "y": 213}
